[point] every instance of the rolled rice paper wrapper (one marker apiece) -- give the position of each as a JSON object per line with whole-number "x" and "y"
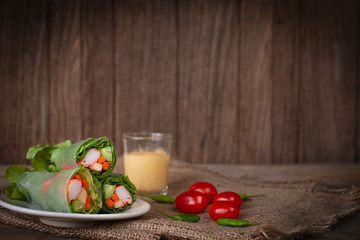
{"x": 67, "y": 157}
{"x": 118, "y": 180}
{"x": 49, "y": 189}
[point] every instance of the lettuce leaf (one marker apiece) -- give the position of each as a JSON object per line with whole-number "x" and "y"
{"x": 41, "y": 161}
{"x": 118, "y": 179}
{"x": 94, "y": 188}
{"x": 13, "y": 174}
{"x": 13, "y": 192}
{"x": 40, "y": 155}
{"x": 66, "y": 143}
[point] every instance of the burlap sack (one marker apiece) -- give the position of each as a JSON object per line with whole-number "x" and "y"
{"x": 292, "y": 210}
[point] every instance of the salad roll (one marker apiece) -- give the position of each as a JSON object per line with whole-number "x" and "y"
{"x": 96, "y": 154}
{"x": 118, "y": 193}
{"x": 69, "y": 191}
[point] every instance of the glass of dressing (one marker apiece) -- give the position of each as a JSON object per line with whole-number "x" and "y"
{"x": 146, "y": 161}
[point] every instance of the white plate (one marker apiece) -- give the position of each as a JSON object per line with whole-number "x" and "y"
{"x": 73, "y": 220}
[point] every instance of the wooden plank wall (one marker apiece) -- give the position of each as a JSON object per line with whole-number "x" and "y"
{"x": 251, "y": 81}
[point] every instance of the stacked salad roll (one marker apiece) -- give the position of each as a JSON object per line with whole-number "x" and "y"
{"x": 72, "y": 178}
{"x": 96, "y": 154}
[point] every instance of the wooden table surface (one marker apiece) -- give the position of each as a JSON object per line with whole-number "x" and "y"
{"x": 346, "y": 228}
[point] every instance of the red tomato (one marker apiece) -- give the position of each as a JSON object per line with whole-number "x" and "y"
{"x": 219, "y": 210}
{"x": 229, "y": 197}
{"x": 206, "y": 188}
{"x": 192, "y": 202}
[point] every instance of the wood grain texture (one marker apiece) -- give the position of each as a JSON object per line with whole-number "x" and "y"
{"x": 285, "y": 82}
{"x": 65, "y": 107}
{"x": 252, "y": 81}
{"x": 208, "y": 73}
{"x": 328, "y": 86}
{"x": 357, "y": 126}
{"x": 23, "y": 75}
{"x": 145, "y": 61}
{"x": 97, "y": 80}
{"x": 256, "y": 81}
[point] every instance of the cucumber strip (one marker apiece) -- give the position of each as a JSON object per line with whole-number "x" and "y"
{"x": 106, "y": 152}
{"x": 108, "y": 191}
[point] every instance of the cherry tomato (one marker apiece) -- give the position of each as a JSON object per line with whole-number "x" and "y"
{"x": 229, "y": 197}
{"x": 219, "y": 210}
{"x": 206, "y": 188}
{"x": 191, "y": 202}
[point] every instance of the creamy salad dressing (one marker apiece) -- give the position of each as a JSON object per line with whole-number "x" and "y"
{"x": 147, "y": 170}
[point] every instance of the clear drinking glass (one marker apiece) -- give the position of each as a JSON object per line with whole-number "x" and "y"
{"x": 146, "y": 160}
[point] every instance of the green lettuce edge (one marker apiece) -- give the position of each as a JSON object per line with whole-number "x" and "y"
{"x": 118, "y": 179}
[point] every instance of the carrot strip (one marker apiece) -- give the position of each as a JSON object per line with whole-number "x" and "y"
{"x": 109, "y": 202}
{"x": 88, "y": 202}
{"x": 101, "y": 159}
{"x": 77, "y": 177}
{"x": 85, "y": 184}
{"x": 105, "y": 166}
{"x": 115, "y": 197}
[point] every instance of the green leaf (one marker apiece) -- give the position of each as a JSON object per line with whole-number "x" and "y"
{"x": 94, "y": 188}
{"x": 49, "y": 150}
{"x": 13, "y": 173}
{"x": 13, "y": 192}
{"x": 182, "y": 217}
{"x": 236, "y": 222}
{"x": 161, "y": 198}
{"x": 244, "y": 196}
{"x": 9, "y": 190}
{"x": 33, "y": 151}
{"x": 41, "y": 161}
{"x": 66, "y": 143}
{"x": 131, "y": 186}
{"x": 41, "y": 155}
{"x": 52, "y": 168}
{"x": 18, "y": 194}
{"x": 186, "y": 217}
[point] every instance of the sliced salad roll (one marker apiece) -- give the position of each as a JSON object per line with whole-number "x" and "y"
{"x": 70, "y": 191}
{"x": 118, "y": 193}
{"x": 96, "y": 154}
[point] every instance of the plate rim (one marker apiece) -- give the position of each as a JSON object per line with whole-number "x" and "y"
{"x": 129, "y": 213}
